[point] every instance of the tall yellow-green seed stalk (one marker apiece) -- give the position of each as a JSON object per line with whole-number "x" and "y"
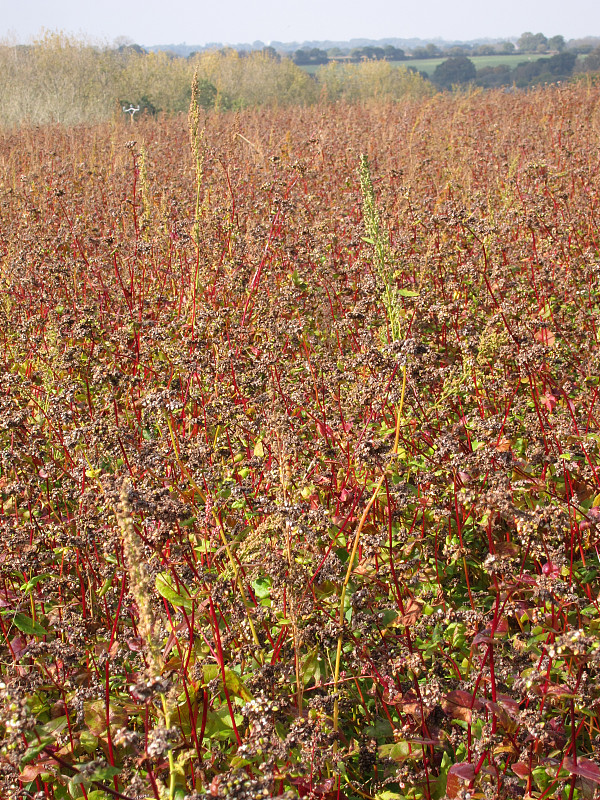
{"x": 146, "y": 201}
{"x": 196, "y": 142}
{"x": 140, "y": 584}
{"x": 379, "y": 239}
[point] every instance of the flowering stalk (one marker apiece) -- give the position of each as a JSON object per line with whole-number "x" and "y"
{"x": 141, "y": 588}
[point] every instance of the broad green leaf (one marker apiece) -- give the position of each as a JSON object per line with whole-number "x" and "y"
{"x": 35, "y": 749}
{"x": 262, "y": 587}
{"x": 27, "y": 625}
{"x": 88, "y": 741}
{"x": 165, "y": 587}
{"x": 219, "y": 725}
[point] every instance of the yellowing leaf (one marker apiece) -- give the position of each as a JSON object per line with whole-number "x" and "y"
{"x": 259, "y": 450}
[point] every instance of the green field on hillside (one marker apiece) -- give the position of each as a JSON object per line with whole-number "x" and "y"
{"x": 428, "y": 65}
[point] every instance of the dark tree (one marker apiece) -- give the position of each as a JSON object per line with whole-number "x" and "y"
{"x": 506, "y": 47}
{"x": 492, "y": 77}
{"x": 312, "y": 56}
{"x": 207, "y": 93}
{"x": 531, "y": 42}
{"x": 592, "y": 62}
{"x": 557, "y": 43}
{"x": 544, "y": 70}
{"x": 392, "y": 53}
{"x": 270, "y": 52}
{"x": 453, "y": 71}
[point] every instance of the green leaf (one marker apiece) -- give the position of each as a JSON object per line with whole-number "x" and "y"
{"x": 88, "y": 741}
{"x": 381, "y": 729}
{"x": 232, "y": 681}
{"x": 32, "y": 582}
{"x": 100, "y": 774}
{"x": 387, "y": 617}
{"x": 219, "y": 725}
{"x": 262, "y": 587}
{"x": 27, "y": 625}
{"x": 311, "y": 667}
{"x": 35, "y": 749}
{"x": 406, "y": 293}
{"x": 54, "y": 726}
{"x": 397, "y": 751}
{"x": 298, "y": 281}
{"x": 166, "y": 589}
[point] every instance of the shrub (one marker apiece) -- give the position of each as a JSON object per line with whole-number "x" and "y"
{"x": 370, "y": 80}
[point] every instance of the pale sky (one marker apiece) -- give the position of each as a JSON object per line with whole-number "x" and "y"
{"x": 150, "y": 22}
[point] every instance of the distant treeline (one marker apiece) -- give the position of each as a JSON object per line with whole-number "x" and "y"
{"x": 527, "y": 43}
{"x": 63, "y": 79}
{"x": 396, "y": 49}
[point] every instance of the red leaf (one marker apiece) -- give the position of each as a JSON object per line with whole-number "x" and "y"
{"x": 502, "y": 717}
{"x": 32, "y": 771}
{"x": 549, "y": 400}
{"x": 464, "y": 770}
{"x": 506, "y": 549}
{"x": 584, "y": 768}
{"x": 545, "y": 336}
{"x": 456, "y": 774}
{"x": 453, "y": 786}
{"x": 521, "y": 769}
{"x": 324, "y": 430}
{"x": 18, "y": 644}
{"x": 410, "y": 703}
{"x": 459, "y": 705}
{"x": 483, "y": 638}
{"x": 326, "y": 790}
{"x": 501, "y": 627}
{"x": 346, "y": 495}
{"x": 511, "y": 705}
{"x": 412, "y": 612}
